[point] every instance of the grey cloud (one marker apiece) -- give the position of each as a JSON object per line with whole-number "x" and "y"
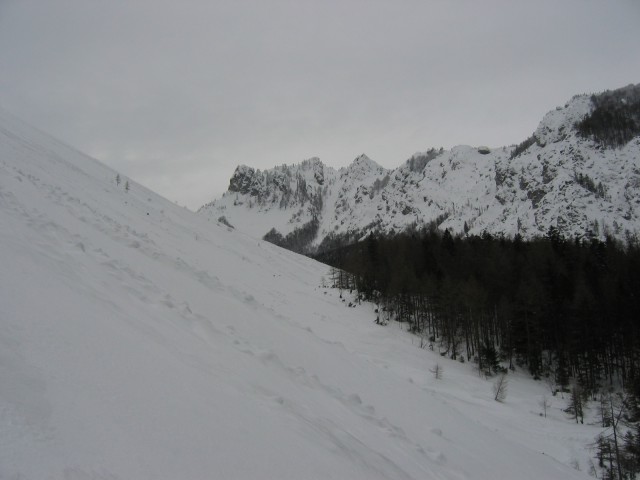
{"x": 175, "y": 94}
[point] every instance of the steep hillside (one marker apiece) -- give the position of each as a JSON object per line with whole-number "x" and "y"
{"x": 578, "y": 172}
{"x": 141, "y": 341}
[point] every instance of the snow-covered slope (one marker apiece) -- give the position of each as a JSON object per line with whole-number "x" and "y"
{"x": 141, "y": 341}
{"x": 558, "y": 179}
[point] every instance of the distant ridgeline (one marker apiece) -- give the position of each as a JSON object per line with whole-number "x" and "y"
{"x": 579, "y": 172}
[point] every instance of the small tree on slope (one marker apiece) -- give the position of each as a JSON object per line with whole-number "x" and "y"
{"x": 500, "y": 388}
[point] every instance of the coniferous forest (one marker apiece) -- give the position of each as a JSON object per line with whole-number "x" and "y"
{"x": 565, "y": 309}
{"x": 562, "y": 308}
{"x": 615, "y": 119}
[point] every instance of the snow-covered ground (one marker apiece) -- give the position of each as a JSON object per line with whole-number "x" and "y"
{"x": 141, "y": 341}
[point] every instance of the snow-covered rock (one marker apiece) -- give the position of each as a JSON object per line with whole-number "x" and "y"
{"x": 558, "y": 178}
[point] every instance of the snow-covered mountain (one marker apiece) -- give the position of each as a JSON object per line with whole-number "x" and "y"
{"x": 139, "y": 340}
{"x": 558, "y": 177}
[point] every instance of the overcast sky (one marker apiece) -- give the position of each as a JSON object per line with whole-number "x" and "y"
{"x": 175, "y": 94}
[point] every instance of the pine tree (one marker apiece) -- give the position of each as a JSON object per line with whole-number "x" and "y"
{"x": 615, "y": 451}
{"x": 575, "y": 407}
{"x": 489, "y": 359}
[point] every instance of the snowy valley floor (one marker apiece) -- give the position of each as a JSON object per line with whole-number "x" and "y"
{"x": 141, "y": 341}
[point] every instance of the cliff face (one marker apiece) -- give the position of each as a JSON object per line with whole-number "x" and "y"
{"x": 569, "y": 174}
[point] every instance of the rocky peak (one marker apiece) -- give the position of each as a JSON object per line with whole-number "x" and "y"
{"x": 316, "y": 167}
{"x": 243, "y": 180}
{"x": 362, "y": 167}
{"x": 558, "y": 124}
{"x": 363, "y": 161}
{"x": 560, "y": 177}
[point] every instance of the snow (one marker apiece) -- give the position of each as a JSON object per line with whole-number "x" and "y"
{"x": 140, "y": 340}
{"x": 489, "y": 192}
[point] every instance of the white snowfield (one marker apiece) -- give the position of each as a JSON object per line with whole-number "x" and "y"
{"x": 139, "y": 340}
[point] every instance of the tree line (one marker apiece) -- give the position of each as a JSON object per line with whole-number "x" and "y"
{"x": 568, "y": 310}
{"x": 615, "y": 119}
{"x": 562, "y": 308}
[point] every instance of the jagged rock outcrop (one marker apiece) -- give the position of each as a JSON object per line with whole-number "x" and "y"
{"x": 576, "y": 173}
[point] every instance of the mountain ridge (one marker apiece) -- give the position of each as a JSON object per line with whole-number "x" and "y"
{"x": 559, "y": 177}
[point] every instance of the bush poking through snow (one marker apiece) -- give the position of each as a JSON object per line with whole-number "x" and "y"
{"x": 545, "y": 403}
{"x": 223, "y": 220}
{"x": 500, "y": 388}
